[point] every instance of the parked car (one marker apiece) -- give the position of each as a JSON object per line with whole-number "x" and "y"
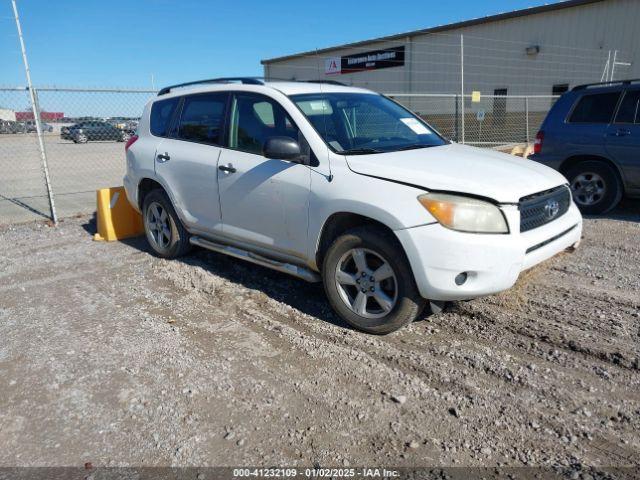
{"x": 30, "y": 127}
{"x": 341, "y": 185}
{"x": 94, "y": 130}
{"x": 592, "y": 136}
{"x": 9, "y": 126}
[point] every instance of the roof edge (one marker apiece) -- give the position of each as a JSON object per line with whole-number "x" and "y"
{"x": 441, "y": 28}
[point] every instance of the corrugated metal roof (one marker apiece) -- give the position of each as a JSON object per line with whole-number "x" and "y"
{"x": 442, "y": 28}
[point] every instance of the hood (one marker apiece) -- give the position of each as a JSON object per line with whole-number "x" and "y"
{"x": 459, "y": 168}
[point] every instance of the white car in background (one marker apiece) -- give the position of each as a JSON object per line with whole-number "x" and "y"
{"x": 340, "y": 184}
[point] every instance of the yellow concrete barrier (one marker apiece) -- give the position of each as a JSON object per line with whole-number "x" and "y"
{"x": 116, "y": 217}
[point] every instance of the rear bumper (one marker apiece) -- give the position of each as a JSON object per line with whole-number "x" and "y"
{"x": 492, "y": 262}
{"x": 131, "y": 189}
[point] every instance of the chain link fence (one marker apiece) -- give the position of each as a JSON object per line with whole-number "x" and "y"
{"x": 490, "y": 121}
{"x": 77, "y": 166}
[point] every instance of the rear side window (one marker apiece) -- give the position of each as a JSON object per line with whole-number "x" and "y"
{"x": 596, "y": 108}
{"x": 629, "y": 111}
{"x": 202, "y": 118}
{"x": 161, "y": 114}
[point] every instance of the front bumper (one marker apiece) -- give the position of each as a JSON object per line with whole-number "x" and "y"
{"x": 492, "y": 262}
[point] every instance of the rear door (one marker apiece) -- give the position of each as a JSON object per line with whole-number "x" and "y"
{"x": 587, "y": 124}
{"x": 264, "y": 201}
{"x": 623, "y": 137}
{"x": 187, "y": 160}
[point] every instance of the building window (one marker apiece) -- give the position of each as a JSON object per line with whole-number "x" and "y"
{"x": 559, "y": 89}
{"x": 499, "y": 105}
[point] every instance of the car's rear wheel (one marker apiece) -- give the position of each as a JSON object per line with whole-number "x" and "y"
{"x": 595, "y": 187}
{"x": 369, "y": 282}
{"x": 164, "y": 230}
{"x": 124, "y": 137}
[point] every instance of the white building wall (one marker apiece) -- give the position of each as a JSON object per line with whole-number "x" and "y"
{"x": 574, "y": 47}
{"x": 6, "y": 114}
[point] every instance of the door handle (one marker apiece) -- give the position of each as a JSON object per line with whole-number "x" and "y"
{"x": 163, "y": 157}
{"x": 622, "y": 132}
{"x": 227, "y": 168}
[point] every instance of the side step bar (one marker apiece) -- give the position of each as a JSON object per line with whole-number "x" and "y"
{"x": 295, "y": 270}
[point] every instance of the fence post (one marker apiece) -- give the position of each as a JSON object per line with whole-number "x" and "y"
{"x": 462, "y": 82}
{"x": 457, "y": 117}
{"x": 43, "y": 153}
{"x": 526, "y": 114}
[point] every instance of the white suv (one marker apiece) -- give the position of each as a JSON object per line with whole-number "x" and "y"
{"x": 341, "y": 185}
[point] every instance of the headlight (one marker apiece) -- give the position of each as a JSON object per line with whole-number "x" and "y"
{"x": 464, "y": 214}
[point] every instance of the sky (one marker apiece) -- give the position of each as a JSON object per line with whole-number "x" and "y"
{"x": 127, "y": 43}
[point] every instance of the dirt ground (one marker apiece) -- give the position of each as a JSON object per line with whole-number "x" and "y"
{"x": 112, "y": 356}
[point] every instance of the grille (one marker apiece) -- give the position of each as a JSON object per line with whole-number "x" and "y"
{"x": 535, "y": 210}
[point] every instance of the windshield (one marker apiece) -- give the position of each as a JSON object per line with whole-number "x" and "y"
{"x": 363, "y": 123}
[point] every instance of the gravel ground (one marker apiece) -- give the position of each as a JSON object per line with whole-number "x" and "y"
{"x": 112, "y": 356}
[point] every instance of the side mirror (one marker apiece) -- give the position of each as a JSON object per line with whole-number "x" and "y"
{"x": 282, "y": 148}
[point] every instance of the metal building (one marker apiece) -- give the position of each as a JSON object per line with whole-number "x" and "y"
{"x": 537, "y": 51}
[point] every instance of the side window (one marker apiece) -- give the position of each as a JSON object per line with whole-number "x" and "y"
{"x": 596, "y": 108}
{"x": 255, "y": 119}
{"x": 202, "y": 118}
{"x": 629, "y": 111}
{"x": 161, "y": 114}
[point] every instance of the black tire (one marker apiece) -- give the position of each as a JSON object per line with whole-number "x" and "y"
{"x": 178, "y": 242}
{"x": 376, "y": 242}
{"x": 598, "y": 175}
{"x": 80, "y": 138}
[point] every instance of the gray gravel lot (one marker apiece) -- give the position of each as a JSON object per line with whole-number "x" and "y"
{"x": 112, "y": 356}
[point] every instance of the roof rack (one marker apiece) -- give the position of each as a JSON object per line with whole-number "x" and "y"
{"x": 329, "y": 82}
{"x": 243, "y": 80}
{"x": 606, "y": 84}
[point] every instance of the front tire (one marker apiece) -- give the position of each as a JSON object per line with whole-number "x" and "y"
{"x": 165, "y": 233}
{"x": 369, "y": 283}
{"x": 81, "y": 138}
{"x": 595, "y": 187}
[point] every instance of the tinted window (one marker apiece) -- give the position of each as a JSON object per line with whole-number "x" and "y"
{"x": 629, "y": 111}
{"x": 161, "y": 113}
{"x": 202, "y": 118}
{"x": 595, "y": 108}
{"x": 255, "y": 119}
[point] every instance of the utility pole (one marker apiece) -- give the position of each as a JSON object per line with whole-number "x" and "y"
{"x": 36, "y": 116}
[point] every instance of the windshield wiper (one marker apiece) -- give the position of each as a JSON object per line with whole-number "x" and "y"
{"x": 413, "y": 146}
{"x": 359, "y": 151}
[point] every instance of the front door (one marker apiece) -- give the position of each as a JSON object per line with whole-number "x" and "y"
{"x": 187, "y": 160}
{"x": 623, "y": 138}
{"x": 264, "y": 201}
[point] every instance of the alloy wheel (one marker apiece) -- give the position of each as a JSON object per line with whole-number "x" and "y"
{"x": 366, "y": 283}
{"x": 588, "y": 188}
{"x": 158, "y": 226}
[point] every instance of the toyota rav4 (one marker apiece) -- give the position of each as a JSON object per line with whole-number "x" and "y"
{"x": 345, "y": 186}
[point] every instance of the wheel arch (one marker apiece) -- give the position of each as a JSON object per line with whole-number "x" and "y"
{"x": 576, "y": 159}
{"x": 145, "y": 186}
{"x": 338, "y": 223}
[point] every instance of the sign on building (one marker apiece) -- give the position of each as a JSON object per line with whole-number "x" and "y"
{"x": 360, "y": 62}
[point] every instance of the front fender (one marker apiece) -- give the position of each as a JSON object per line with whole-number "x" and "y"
{"x": 389, "y": 203}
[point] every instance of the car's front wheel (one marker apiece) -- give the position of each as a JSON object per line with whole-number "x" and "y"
{"x": 81, "y": 138}
{"x": 164, "y": 230}
{"x": 369, "y": 282}
{"x": 595, "y": 187}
